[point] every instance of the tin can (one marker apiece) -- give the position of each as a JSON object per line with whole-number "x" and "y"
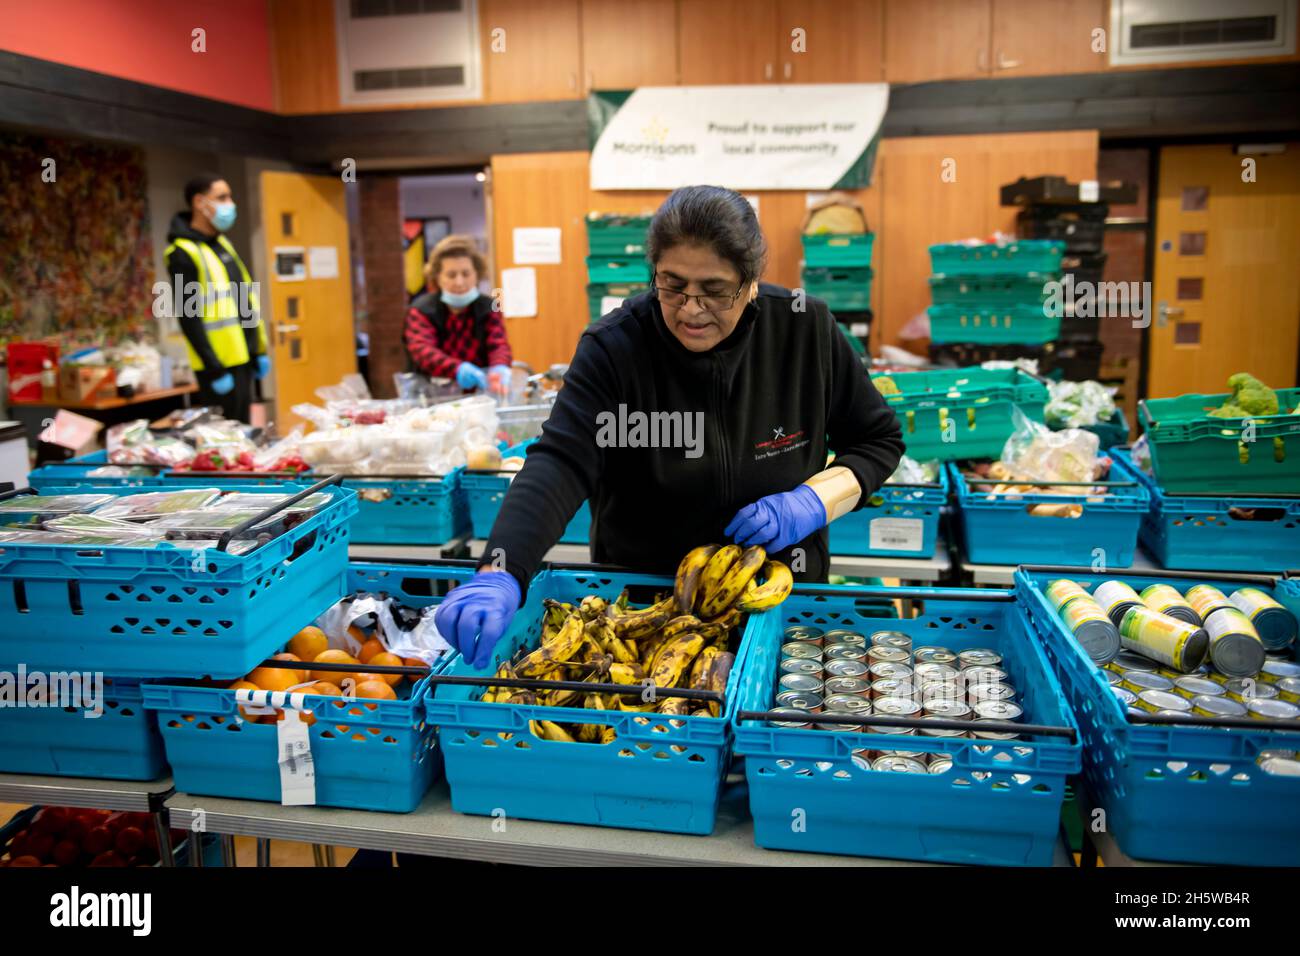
{"x": 983, "y": 674}
{"x": 1245, "y": 689}
{"x": 1092, "y": 629}
{"x": 1001, "y": 691}
{"x": 845, "y": 668}
{"x": 804, "y": 634}
{"x": 990, "y": 734}
{"x": 1162, "y": 638}
{"x": 1131, "y": 661}
{"x": 1112, "y": 677}
{"x": 931, "y": 671}
{"x": 938, "y": 763}
{"x": 1288, "y": 689}
{"x": 941, "y": 690}
{"x": 913, "y": 754}
{"x": 1280, "y": 766}
{"x": 857, "y": 686}
{"x": 1115, "y": 598}
{"x": 801, "y": 665}
{"x": 799, "y": 700}
{"x": 1140, "y": 681}
{"x": 1190, "y": 687}
{"x": 792, "y": 717}
{"x": 1125, "y": 696}
{"x": 1156, "y": 700}
{"x": 978, "y": 657}
{"x": 898, "y": 765}
{"x": 934, "y": 655}
{"x": 844, "y": 652}
{"x": 1165, "y": 599}
{"x": 882, "y": 669}
{"x": 892, "y": 687}
{"x": 878, "y": 654}
{"x": 1273, "y": 671}
{"x": 843, "y": 635}
{"x": 1208, "y": 705}
{"x": 805, "y": 683}
{"x": 1276, "y": 625}
{"x": 941, "y": 731}
{"x": 892, "y": 639}
{"x": 894, "y": 707}
{"x": 1205, "y": 599}
{"x": 997, "y": 710}
{"x": 1235, "y": 648}
{"x": 1272, "y": 710}
{"x": 947, "y": 709}
{"x": 847, "y": 704}
{"x": 802, "y": 650}
{"x": 861, "y": 759}
{"x": 1062, "y": 591}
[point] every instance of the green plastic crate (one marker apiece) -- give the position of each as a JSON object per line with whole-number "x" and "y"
{"x": 846, "y": 289}
{"x": 999, "y": 325}
{"x": 1193, "y": 452}
{"x": 977, "y": 402}
{"x": 830, "y": 249}
{"x": 617, "y": 235}
{"x": 1012, "y": 258}
{"x": 625, "y": 269}
{"x": 599, "y": 291}
{"x": 982, "y": 291}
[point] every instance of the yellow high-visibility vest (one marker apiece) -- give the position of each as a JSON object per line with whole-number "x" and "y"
{"x": 221, "y": 319}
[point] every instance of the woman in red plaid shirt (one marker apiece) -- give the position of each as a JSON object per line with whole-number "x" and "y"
{"x": 453, "y": 331}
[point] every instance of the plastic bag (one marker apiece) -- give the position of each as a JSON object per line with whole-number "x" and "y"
{"x": 1076, "y": 404}
{"x": 352, "y": 388}
{"x": 1037, "y": 453}
{"x": 315, "y": 414}
{"x": 913, "y": 472}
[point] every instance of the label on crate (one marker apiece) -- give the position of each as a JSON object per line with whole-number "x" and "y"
{"x": 897, "y": 534}
{"x": 297, "y": 768}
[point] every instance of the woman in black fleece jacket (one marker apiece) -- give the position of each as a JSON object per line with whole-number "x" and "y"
{"x": 701, "y": 410}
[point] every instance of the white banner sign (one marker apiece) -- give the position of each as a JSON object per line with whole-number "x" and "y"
{"x": 812, "y": 136}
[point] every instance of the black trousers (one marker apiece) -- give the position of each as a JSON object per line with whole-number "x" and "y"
{"x": 237, "y": 403}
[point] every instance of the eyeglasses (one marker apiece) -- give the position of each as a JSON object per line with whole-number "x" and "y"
{"x": 709, "y": 302}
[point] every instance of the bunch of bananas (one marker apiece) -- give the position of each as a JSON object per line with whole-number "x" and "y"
{"x": 680, "y": 640}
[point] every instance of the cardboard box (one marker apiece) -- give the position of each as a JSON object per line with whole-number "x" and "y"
{"x": 87, "y": 383}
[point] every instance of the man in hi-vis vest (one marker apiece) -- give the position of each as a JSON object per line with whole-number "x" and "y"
{"x": 223, "y": 322}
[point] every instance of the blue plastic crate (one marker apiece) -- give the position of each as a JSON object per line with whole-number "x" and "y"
{"x": 1177, "y": 794}
{"x": 1002, "y": 530}
{"x": 121, "y": 744}
{"x": 215, "y": 753}
{"x": 1018, "y": 257}
{"x": 1020, "y": 324}
{"x": 167, "y": 611}
{"x": 660, "y": 773}
{"x": 999, "y": 803}
{"x": 1202, "y": 533}
{"x": 624, "y": 270}
{"x": 897, "y": 521}
{"x": 428, "y": 511}
{"x": 486, "y": 490}
{"x": 73, "y": 474}
{"x": 835, "y": 249}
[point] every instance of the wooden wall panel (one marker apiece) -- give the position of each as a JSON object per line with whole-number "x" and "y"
{"x": 304, "y": 49}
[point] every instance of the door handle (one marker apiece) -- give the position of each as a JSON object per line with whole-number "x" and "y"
{"x": 788, "y": 69}
{"x": 1005, "y": 64}
{"x": 767, "y": 71}
{"x": 1164, "y": 311}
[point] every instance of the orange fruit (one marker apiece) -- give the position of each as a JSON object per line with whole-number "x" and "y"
{"x": 334, "y": 657}
{"x": 357, "y": 634}
{"x": 309, "y": 642}
{"x": 308, "y": 717}
{"x": 273, "y": 678}
{"x": 300, "y": 672}
{"x": 375, "y": 689}
{"x": 387, "y": 660}
{"x": 325, "y": 688}
{"x": 370, "y": 648}
{"x": 414, "y": 662}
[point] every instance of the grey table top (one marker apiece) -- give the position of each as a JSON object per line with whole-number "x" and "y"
{"x": 81, "y": 792}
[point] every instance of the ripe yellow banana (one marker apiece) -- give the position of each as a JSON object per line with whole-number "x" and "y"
{"x": 675, "y": 706}
{"x": 622, "y": 651}
{"x": 777, "y": 582}
{"x": 718, "y": 674}
{"x": 635, "y": 625}
{"x": 592, "y": 606}
{"x": 733, "y": 583}
{"x": 549, "y": 730}
{"x": 561, "y": 647}
{"x": 622, "y": 673}
{"x": 702, "y": 668}
{"x": 607, "y": 735}
{"x": 688, "y": 576}
{"x": 679, "y": 625}
{"x": 713, "y": 573}
{"x": 628, "y": 704}
{"x": 675, "y": 656}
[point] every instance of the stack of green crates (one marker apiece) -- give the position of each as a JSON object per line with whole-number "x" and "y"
{"x": 616, "y": 261}
{"x": 994, "y": 293}
{"x": 837, "y": 269}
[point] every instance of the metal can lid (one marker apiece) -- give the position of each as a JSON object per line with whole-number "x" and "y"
{"x": 896, "y": 706}
{"x": 1164, "y": 700}
{"x": 1144, "y": 680}
{"x": 1280, "y": 766}
{"x": 844, "y": 652}
{"x": 799, "y": 700}
{"x": 1273, "y": 710}
{"x": 1279, "y": 669}
{"x": 984, "y": 673}
{"x": 879, "y": 653}
{"x": 891, "y": 639}
{"x": 1288, "y": 685}
{"x": 1130, "y": 661}
{"x": 845, "y": 668}
{"x": 933, "y": 670}
{"x": 852, "y": 638}
{"x": 801, "y": 665}
{"x": 942, "y": 731}
{"x": 946, "y": 708}
{"x": 890, "y": 669}
{"x": 848, "y": 704}
{"x": 801, "y": 649}
{"x": 1248, "y": 688}
{"x": 796, "y": 631}
{"x": 898, "y": 765}
{"x": 1126, "y": 696}
{"x": 939, "y": 763}
{"x": 794, "y": 718}
{"x": 991, "y": 734}
{"x": 941, "y": 690}
{"x": 998, "y": 710}
{"x": 1198, "y": 686}
{"x": 847, "y": 685}
{"x": 805, "y": 682}
{"x": 935, "y": 655}
{"x": 891, "y": 687}
{"x": 1001, "y": 691}
{"x": 976, "y": 656}
{"x": 1211, "y": 706}
{"x": 896, "y": 731}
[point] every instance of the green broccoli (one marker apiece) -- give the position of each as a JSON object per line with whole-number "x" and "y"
{"x": 1252, "y": 395}
{"x": 1229, "y": 409}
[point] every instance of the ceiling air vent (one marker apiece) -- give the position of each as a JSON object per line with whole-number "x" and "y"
{"x": 407, "y": 51}
{"x": 1171, "y": 31}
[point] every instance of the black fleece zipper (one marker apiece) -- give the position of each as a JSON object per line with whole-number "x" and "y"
{"x": 720, "y": 404}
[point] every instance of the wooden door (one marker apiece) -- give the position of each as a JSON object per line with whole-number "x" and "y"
{"x": 727, "y": 41}
{"x": 309, "y": 321}
{"x": 531, "y": 50}
{"x": 936, "y": 40}
{"x": 629, "y": 43}
{"x": 1227, "y": 270}
{"x": 1045, "y": 37}
{"x": 842, "y": 41}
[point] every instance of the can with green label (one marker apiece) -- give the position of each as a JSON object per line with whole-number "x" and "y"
{"x": 1090, "y": 626}
{"x": 1205, "y": 599}
{"x": 1062, "y": 591}
{"x": 1235, "y": 648}
{"x": 1165, "y": 599}
{"x": 1165, "y": 639}
{"x": 1276, "y": 625}
{"x": 1115, "y": 598}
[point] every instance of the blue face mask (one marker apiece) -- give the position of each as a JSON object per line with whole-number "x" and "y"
{"x": 223, "y": 215}
{"x": 458, "y": 300}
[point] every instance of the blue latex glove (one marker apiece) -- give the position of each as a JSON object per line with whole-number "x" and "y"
{"x": 224, "y": 385}
{"x": 263, "y": 366}
{"x": 779, "y": 520}
{"x": 476, "y": 614}
{"x": 499, "y": 375}
{"x": 469, "y": 375}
